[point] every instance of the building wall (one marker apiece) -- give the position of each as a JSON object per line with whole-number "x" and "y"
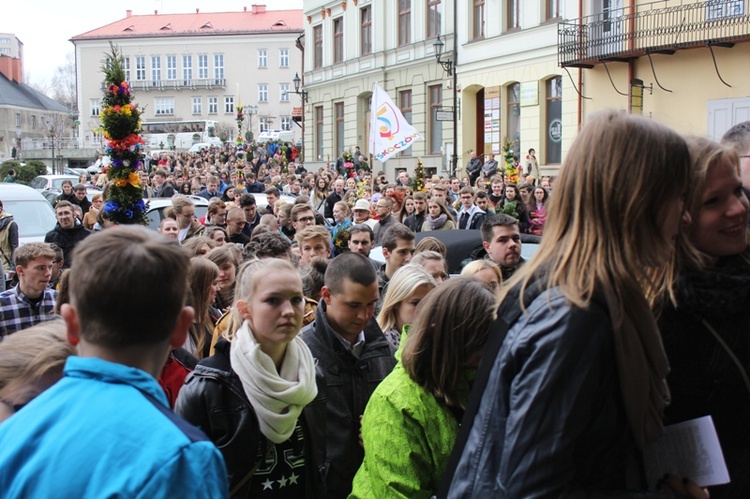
{"x": 242, "y": 77}
{"x": 10, "y": 45}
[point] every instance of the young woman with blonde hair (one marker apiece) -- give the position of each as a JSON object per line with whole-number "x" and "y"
{"x": 486, "y": 271}
{"x": 406, "y": 289}
{"x": 575, "y": 384}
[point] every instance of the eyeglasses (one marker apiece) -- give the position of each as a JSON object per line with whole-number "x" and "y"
{"x": 306, "y": 219}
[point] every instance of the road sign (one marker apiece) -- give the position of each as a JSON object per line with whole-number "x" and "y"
{"x": 443, "y": 115}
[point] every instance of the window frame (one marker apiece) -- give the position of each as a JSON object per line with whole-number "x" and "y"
{"x": 164, "y": 106}
{"x": 283, "y": 58}
{"x": 434, "y": 16}
{"x": 229, "y": 104}
{"x": 284, "y": 90}
{"x": 196, "y": 104}
{"x": 404, "y": 22}
{"x": 187, "y": 69}
{"x": 318, "y": 46}
{"x": 477, "y": 20}
{"x": 435, "y": 102}
{"x": 262, "y": 58}
{"x": 338, "y": 40}
{"x": 513, "y": 15}
{"x": 218, "y": 67}
{"x": 213, "y": 105}
{"x": 262, "y": 92}
{"x": 319, "y": 131}
{"x": 171, "y": 67}
{"x": 365, "y": 32}
{"x": 203, "y": 66}
{"x": 405, "y": 102}
{"x": 338, "y": 113}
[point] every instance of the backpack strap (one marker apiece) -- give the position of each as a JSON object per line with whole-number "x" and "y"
{"x": 509, "y": 311}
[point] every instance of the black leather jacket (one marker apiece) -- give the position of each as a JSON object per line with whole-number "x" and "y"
{"x": 345, "y": 384}
{"x": 213, "y": 399}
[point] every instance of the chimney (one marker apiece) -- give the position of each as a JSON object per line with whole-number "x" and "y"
{"x": 197, "y": 11}
{"x": 128, "y": 13}
{"x": 11, "y": 68}
{"x": 259, "y": 9}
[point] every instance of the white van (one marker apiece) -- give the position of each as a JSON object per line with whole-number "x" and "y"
{"x": 33, "y": 214}
{"x": 282, "y": 135}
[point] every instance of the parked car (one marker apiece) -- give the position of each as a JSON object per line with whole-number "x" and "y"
{"x": 201, "y": 146}
{"x": 157, "y": 206}
{"x": 463, "y": 244}
{"x": 282, "y": 135}
{"x": 51, "y": 194}
{"x": 33, "y": 214}
{"x": 45, "y": 182}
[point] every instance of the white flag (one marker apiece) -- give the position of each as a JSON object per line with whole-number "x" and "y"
{"x": 390, "y": 133}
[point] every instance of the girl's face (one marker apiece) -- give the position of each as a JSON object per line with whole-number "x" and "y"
{"x": 321, "y": 183}
{"x": 409, "y": 204}
{"x": 510, "y": 193}
{"x": 213, "y": 289}
{"x": 434, "y": 210}
{"x": 227, "y": 275}
{"x": 720, "y": 227}
{"x": 219, "y": 238}
{"x": 490, "y": 278}
{"x": 230, "y": 193}
{"x": 539, "y": 195}
{"x": 339, "y": 214}
{"x": 274, "y": 311}
{"x": 407, "y": 309}
{"x": 351, "y": 184}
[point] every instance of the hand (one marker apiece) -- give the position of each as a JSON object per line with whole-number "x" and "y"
{"x": 682, "y": 487}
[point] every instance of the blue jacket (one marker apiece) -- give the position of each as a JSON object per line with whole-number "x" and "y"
{"x": 96, "y": 433}
{"x": 551, "y": 422}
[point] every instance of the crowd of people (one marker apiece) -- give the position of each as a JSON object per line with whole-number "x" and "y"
{"x": 258, "y": 350}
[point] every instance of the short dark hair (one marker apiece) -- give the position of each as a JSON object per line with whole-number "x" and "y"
{"x": 79, "y": 187}
{"x": 394, "y": 233}
{"x": 356, "y": 229}
{"x": 128, "y": 305}
{"x": 247, "y": 200}
{"x": 273, "y": 190}
{"x": 297, "y": 208}
{"x": 498, "y": 220}
{"x": 351, "y": 266}
{"x": 63, "y": 204}
{"x": 268, "y": 245}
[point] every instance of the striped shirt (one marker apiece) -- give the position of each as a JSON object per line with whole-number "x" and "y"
{"x": 18, "y": 312}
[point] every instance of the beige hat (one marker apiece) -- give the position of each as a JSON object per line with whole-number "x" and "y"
{"x": 362, "y": 204}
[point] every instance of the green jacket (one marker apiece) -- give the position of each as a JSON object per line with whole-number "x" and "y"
{"x": 408, "y": 437}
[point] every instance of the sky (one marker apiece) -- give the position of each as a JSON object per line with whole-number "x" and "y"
{"x": 46, "y": 26}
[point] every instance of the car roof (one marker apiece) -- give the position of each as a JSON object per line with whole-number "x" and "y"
{"x": 163, "y": 202}
{"x": 18, "y": 192}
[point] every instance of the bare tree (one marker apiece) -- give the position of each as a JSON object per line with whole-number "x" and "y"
{"x": 64, "y": 83}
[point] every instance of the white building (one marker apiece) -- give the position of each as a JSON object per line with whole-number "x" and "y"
{"x": 197, "y": 66}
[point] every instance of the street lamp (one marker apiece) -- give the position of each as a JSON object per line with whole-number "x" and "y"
{"x": 251, "y": 110}
{"x": 297, "y": 81}
{"x": 51, "y": 125}
{"x": 449, "y": 67}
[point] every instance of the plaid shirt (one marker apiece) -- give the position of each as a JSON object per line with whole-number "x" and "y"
{"x": 17, "y": 312}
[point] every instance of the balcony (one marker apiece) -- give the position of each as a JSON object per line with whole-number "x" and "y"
{"x": 657, "y": 27}
{"x": 148, "y": 85}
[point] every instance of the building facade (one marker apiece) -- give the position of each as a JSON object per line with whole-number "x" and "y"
{"x": 198, "y": 66}
{"x": 509, "y": 85}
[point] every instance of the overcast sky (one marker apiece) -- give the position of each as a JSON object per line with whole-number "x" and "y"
{"x": 45, "y": 26}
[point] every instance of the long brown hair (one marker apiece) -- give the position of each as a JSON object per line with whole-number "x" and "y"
{"x": 202, "y": 274}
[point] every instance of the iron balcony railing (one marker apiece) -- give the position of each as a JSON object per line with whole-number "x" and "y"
{"x": 200, "y": 84}
{"x": 652, "y": 27}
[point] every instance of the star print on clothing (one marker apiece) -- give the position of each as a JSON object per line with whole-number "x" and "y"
{"x": 282, "y": 482}
{"x": 268, "y": 484}
{"x": 293, "y": 479}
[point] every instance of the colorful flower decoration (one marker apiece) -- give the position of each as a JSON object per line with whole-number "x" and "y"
{"x": 417, "y": 181}
{"x": 121, "y": 123}
{"x": 511, "y": 172}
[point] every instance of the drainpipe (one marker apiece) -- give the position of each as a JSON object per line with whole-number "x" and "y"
{"x": 580, "y": 74}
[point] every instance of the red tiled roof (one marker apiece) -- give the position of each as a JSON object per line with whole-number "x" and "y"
{"x": 197, "y": 24}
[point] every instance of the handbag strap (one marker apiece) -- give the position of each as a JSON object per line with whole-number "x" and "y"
{"x": 731, "y": 354}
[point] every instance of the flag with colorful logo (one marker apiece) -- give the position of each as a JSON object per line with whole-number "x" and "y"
{"x": 390, "y": 133}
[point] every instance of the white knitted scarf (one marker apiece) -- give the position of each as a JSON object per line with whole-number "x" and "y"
{"x": 277, "y": 398}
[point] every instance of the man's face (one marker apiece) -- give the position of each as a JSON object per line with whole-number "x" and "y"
{"x": 455, "y": 185}
{"x": 467, "y": 200}
{"x": 403, "y": 178}
{"x": 249, "y": 212}
{"x": 497, "y": 189}
{"x": 304, "y": 219}
{"x": 64, "y": 217}
{"x": 212, "y": 187}
{"x": 57, "y": 266}
{"x": 282, "y": 218}
{"x": 159, "y": 180}
{"x": 272, "y": 198}
{"x": 80, "y": 194}
{"x": 295, "y": 187}
{"x": 383, "y": 208}
{"x": 436, "y": 269}
{"x": 349, "y": 311}
{"x": 400, "y": 255}
{"x": 361, "y": 215}
{"x": 220, "y": 217}
{"x": 235, "y": 224}
{"x": 438, "y": 195}
{"x": 186, "y": 217}
{"x": 35, "y": 277}
{"x": 482, "y": 204}
{"x": 361, "y": 243}
{"x": 419, "y": 205}
{"x": 314, "y": 247}
{"x": 339, "y": 186}
{"x": 505, "y": 246}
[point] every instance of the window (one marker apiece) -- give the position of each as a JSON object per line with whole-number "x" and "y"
{"x": 338, "y": 40}
{"x": 4, "y": 50}
{"x": 262, "y": 58}
{"x": 213, "y": 105}
{"x": 33, "y": 122}
{"x": 171, "y": 67}
{"x": 404, "y": 22}
{"x": 197, "y": 105}
{"x": 478, "y": 19}
{"x": 513, "y": 14}
{"x": 284, "y": 92}
{"x": 338, "y": 108}
{"x": 434, "y": 16}
{"x": 318, "y": 132}
{"x": 554, "y": 120}
{"x": 513, "y": 103}
{"x": 262, "y": 92}
{"x": 126, "y": 67}
{"x": 155, "y": 69}
{"x": 187, "y": 69}
{"x": 365, "y": 34}
{"x": 18, "y": 119}
{"x": 203, "y": 67}
{"x": 283, "y": 58}
{"x": 286, "y": 123}
{"x": 229, "y": 104}
{"x": 218, "y": 68}
{"x": 435, "y": 94}
{"x": 404, "y": 101}
{"x": 264, "y": 122}
{"x": 553, "y": 9}
{"x": 318, "y": 40}
{"x": 163, "y": 106}
{"x": 140, "y": 68}
{"x": 95, "y": 106}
